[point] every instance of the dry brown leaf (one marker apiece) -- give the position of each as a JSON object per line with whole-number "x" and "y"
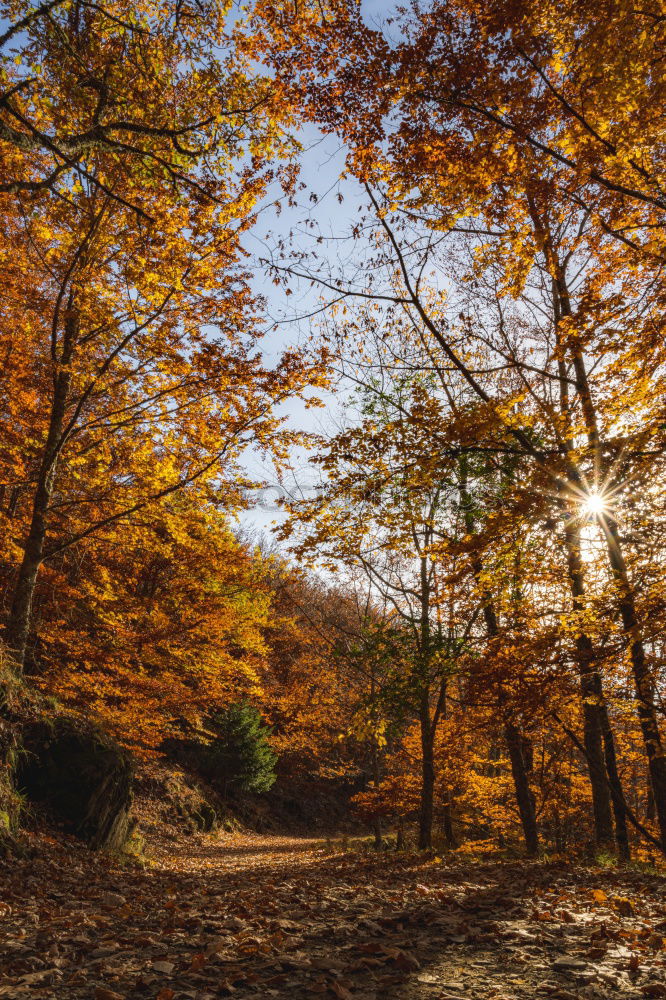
{"x": 623, "y": 907}
{"x": 655, "y": 942}
{"x": 408, "y": 962}
{"x": 164, "y": 967}
{"x": 654, "y": 990}
{"x": 340, "y": 991}
{"x": 101, "y": 993}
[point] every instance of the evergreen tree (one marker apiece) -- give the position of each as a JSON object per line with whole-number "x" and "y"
{"x": 241, "y": 757}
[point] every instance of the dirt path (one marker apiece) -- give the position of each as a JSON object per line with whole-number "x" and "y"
{"x": 277, "y": 917}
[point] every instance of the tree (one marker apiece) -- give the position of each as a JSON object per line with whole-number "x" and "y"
{"x": 240, "y": 756}
{"x": 123, "y": 97}
{"x": 469, "y": 128}
{"x": 143, "y": 369}
{"x": 155, "y": 625}
{"x": 381, "y": 513}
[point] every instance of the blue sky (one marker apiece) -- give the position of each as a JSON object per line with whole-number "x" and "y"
{"x": 322, "y": 162}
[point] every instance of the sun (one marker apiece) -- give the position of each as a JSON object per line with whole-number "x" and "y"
{"x": 594, "y": 504}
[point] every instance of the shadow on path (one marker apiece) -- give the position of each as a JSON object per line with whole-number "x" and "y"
{"x": 279, "y": 918}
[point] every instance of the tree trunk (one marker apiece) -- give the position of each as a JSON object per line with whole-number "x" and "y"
{"x": 427, "y": 782}
{"x": 596, "y": 761}
{"x": 447, "y": 827}
{"x": 617, "y": 792}
{"x": 377, "y": 832}
{"x": 596, "y": 724}
{"x": 647, "y": 712}
{"x": 524, "y": 796}
{"x": 559, "y": 834}
{"x": 376, "y": 780}
{"x": 592, "y": 699}
{"x": 18, "y": 625}
{"x": 649, "y": 801}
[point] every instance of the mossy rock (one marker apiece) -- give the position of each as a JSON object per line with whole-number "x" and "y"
{"x": 189, "y": 802}
{"x": 80, "y": 776}
{"x": 11, "y": 803}
{"x": 205, "y": 817}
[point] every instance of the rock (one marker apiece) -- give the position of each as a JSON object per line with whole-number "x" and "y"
{"x": 568, "y": 964}
{"x": 205, "y": 817}
{"x": 10, "y": 801}
{"x": 186, "y": 803}
{"x": 166, "y": 968}
{"x": 80, "y": 776}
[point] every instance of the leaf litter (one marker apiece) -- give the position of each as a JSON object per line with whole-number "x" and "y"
{"x": 264, "y": 916}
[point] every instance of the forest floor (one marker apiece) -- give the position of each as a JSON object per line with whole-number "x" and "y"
{"x": 263, "y": 916}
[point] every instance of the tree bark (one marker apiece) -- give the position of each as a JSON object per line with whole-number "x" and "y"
{"x": 447, "y": 827}
{"x": 524, "y": 797}
{"x": 649, "y": 801}
{"x": 18, "y": 624}
{"x": 377, "y": 833}
{"x": 376, "y": 780}
{"x": 598, "y": 729}
{"x": 647, "y": 713}
{"x": 616, "y": 790}
{"x": 427, "y": 781}
{"x": 592, "y": 700}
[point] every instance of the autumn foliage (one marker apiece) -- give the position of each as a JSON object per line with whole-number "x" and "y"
{"x": 463, "y": 629}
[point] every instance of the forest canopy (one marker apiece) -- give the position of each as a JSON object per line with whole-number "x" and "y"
{"x": 460, "y": 629}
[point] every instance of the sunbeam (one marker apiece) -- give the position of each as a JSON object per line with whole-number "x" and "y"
{"x": 595, "y": 504}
